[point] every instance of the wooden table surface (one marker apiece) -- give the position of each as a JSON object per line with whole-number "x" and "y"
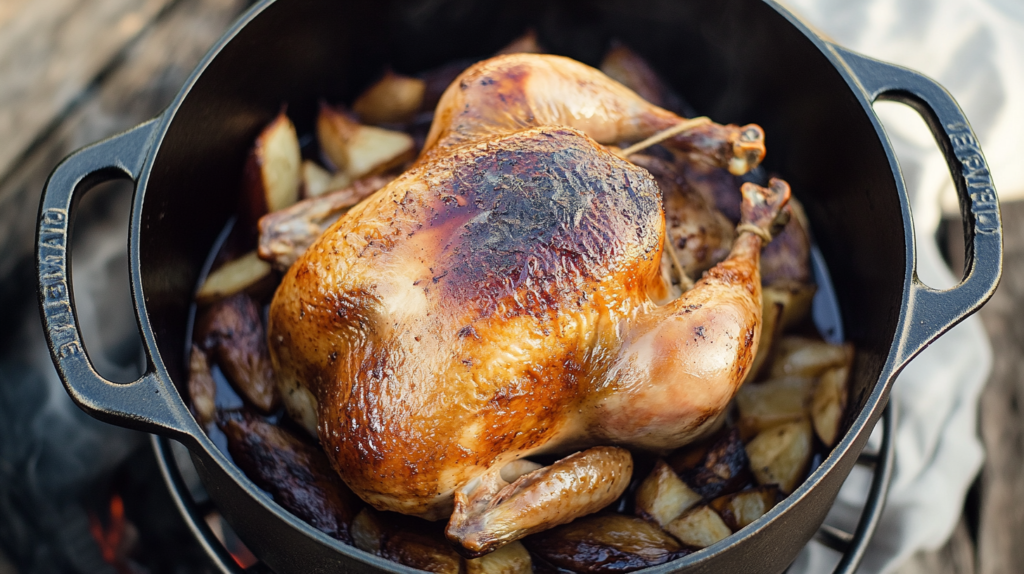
{"x": 75, "y": 71}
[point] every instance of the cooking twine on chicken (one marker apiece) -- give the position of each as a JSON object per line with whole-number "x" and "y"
{"x": 758, "y": 231}
{"x": 663, "y": 135}
{"x": 685, "y": 282}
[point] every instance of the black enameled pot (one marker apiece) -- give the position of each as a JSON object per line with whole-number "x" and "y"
{"x": 737, "y": 61}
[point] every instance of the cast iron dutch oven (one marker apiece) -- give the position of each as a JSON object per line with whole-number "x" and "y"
{"x": 737, "y": 61}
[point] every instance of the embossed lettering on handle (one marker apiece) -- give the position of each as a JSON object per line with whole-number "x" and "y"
{"x": 150, "y": 403}
{"x": 984, "y": 203}
{"x": 53, "y": 229}
{"x": 927, "y": 312}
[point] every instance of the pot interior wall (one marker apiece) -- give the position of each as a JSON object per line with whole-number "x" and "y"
{"x": 737, "y": 61}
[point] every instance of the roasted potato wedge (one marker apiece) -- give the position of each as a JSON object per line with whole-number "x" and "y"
{"x": 271, "y": 177}
{"x": 317, "y": 181}
{"x": 285, "y": 235}
{"x": 700, "y": 527}
{"x": 423, "y": 549}
{"x": 231, "y": 331}
{"x": 741, "y": 508}
{"x": 408, "y": 541}
{"x": 782, "y": 307}
{"x": 663, "y": 496}
{"x": 296, "y": 473}
{"x": 780, "y": 455}
{"x": 605, "y": 543}
{"x": 368, "y": 531}
{"x": 247, "y": 273}
{"x": 693, "y": 454}
{"x": 394, "y": 99}
{"x": 511, "y": 558}
{"x": 795, "y": 299}
{"x": 803, "y": 357}
{"x": 773, "y": 402}
{"x": 828, "y": 404}
{"x": 771, "y": 329}
{"x": 724, "y": 468}
{"x": 202, "y": 389}
{"x": 358, "y": 150}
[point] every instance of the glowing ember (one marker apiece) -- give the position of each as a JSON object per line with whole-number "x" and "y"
{"x": 227, "y": 537}
{"x": 114, "y": 540}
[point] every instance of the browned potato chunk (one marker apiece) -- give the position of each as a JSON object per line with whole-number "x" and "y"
{"x": 771, "y": 328}
{"x": 285, "y": 235}
{"x": 231, "y": 330}
{"x": 693, "y": 454}
{"x": 829, "y": 403}
{"x": 393, "y": 99}
{"x": 700, "y": 527}
{"x": 423, "y": 548}
{"x": 780, "y": 455}
{"x": 740, "y": 509}
{"x": 605, "y": 543}
{"x": 511, "y": 558}
{"x": 358, "y": 150}
{"x": 525, "y": 44}
{"x": 663, "y": 496}
{"x": 795, "y": 299}
{"x": 317, "y": 181}
{"x": 271, "y": 176}
{"x": 408, "y": 541}
{"x": 296, "y": 473}
{"x": 773, "y": 402}
{"x": 201, "y": 387}
{"x": 724, "y": 468}
{"x": 248, "y": 273}
{"x": 803, "y": 357}
{"x": 367, "y": 531}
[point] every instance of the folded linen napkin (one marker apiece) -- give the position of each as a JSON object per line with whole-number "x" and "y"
{"x": 975, "y": 49}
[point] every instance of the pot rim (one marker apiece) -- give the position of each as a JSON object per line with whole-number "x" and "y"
{"x": 867, "y": 417}
{"x": 905, "y": 345}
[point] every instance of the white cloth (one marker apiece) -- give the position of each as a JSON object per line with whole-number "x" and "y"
{"x": 975, "y": 49}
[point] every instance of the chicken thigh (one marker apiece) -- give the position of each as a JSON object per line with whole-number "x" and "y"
{"x": 495, "y": 302}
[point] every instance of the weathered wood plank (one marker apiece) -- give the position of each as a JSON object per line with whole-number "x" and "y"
{"x": 50, "y": 51}
{"x": 152, "y": 72}
{"x": 1001, "y": 523}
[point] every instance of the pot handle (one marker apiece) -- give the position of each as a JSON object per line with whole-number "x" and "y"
{"x": 931, "y": 312}
{"x": 146, "y": 404}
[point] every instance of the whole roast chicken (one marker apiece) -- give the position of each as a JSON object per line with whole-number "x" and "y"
{"x": 498, "y": 301}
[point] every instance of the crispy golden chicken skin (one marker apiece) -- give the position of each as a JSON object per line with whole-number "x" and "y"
{"x": 495, "y": 302}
